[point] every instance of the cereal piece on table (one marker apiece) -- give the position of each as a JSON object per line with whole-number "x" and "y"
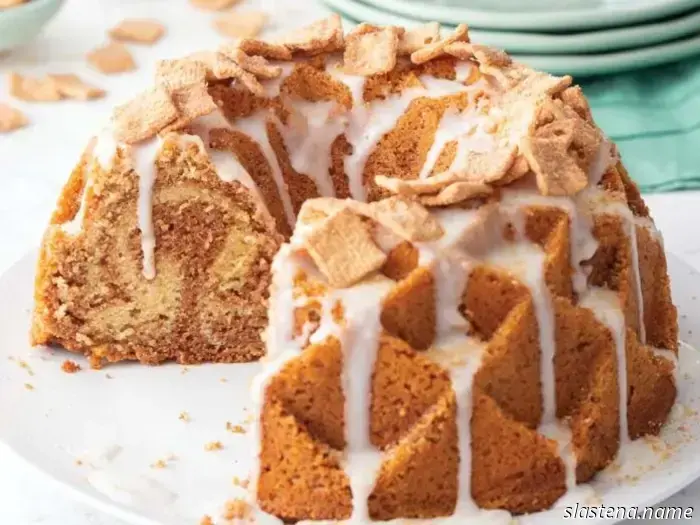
{"x": 11, "y": 118}
{"x": 32, "y": 89}
{"x": 247, "y": 24}
{"x": 144, "y": 116}
{"x": 138, "y": 31}
{"x": 111, "y": 58}
{"x": 214, "y": 5}
{"x": 71, "y": 86}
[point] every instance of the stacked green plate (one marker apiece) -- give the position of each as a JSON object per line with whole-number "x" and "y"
{"x": 579, "y": 37}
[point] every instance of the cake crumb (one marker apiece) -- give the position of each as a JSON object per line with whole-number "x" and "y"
{"x": 238, "y": 482}
{"x": 184, "y": 416}
{"x": 23, "y": 364}
{"x": 223, "y": 380}
{"x": 206, "y": 520}
{"x": 79, "y": 462}
{"x": 241, "y": 25}
{"x": 138, "y": 31}
{"x": 213, "y": 445}
{"x": 236, "y": 509}
{"x": 70, "y": 367}
{"x": 112, "y": 58}
{"x": 160, "y": 464}
{"x": 235, "y": 429}
{"x": 11, "y": 119}
{"x": 28, "y": 386}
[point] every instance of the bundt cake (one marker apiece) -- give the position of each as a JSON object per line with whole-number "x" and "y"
{"x": 469, "y": 305}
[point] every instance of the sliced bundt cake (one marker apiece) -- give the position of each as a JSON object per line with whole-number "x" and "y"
{"x": 427, "y": 363}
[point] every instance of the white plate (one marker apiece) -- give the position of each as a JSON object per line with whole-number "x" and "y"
{"x": 118, "y": 426}
{"x": 544, "y": 15}
{"x": 600, "y": 41}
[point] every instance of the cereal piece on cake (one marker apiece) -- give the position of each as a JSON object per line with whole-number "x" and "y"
{"x": 371, "y": 52}
{"x": 344, "y": 250}
{"x": 144, "y": 116}
{"x": 418, "y": 37}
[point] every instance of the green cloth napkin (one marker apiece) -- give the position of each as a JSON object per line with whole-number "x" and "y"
{"x": 653, "y": 116}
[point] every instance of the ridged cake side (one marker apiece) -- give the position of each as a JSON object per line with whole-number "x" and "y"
{"x": 451, "y": 339}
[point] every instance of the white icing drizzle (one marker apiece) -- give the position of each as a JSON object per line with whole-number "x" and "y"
{"x": 670, "y": 356}
{"x": 360, "y": 342}
{"x": 255, "y": 126}
{"x": 605, "y": 305}
{"x": 272, "y": 86}
{"x": 600, "y": 202}
{"x": 527, "y": 261}
{"x": 368, "y": 123}
{"x": 464, "y": 70}
{"x": 74, "y": 226}
{"x": 144, "y": 162}
{"x": 583, "y": 242}
{"x": 460, "y": 354}
{"x": 226, "y": 164}
{"x": 309, "y": 135}
{"x": 464, "y": 127}
{"x": 105, "y": 148}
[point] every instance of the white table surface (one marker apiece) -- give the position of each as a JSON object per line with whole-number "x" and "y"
{"x": 36, "y": 161}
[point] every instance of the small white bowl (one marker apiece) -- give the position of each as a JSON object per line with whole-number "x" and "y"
{"x": 22, "y": 23}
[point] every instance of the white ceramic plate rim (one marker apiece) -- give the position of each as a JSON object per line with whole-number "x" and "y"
{"x": 550, "y": 21}
{"x": 604, "y": 40}
{"x": 17, "y": 282}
